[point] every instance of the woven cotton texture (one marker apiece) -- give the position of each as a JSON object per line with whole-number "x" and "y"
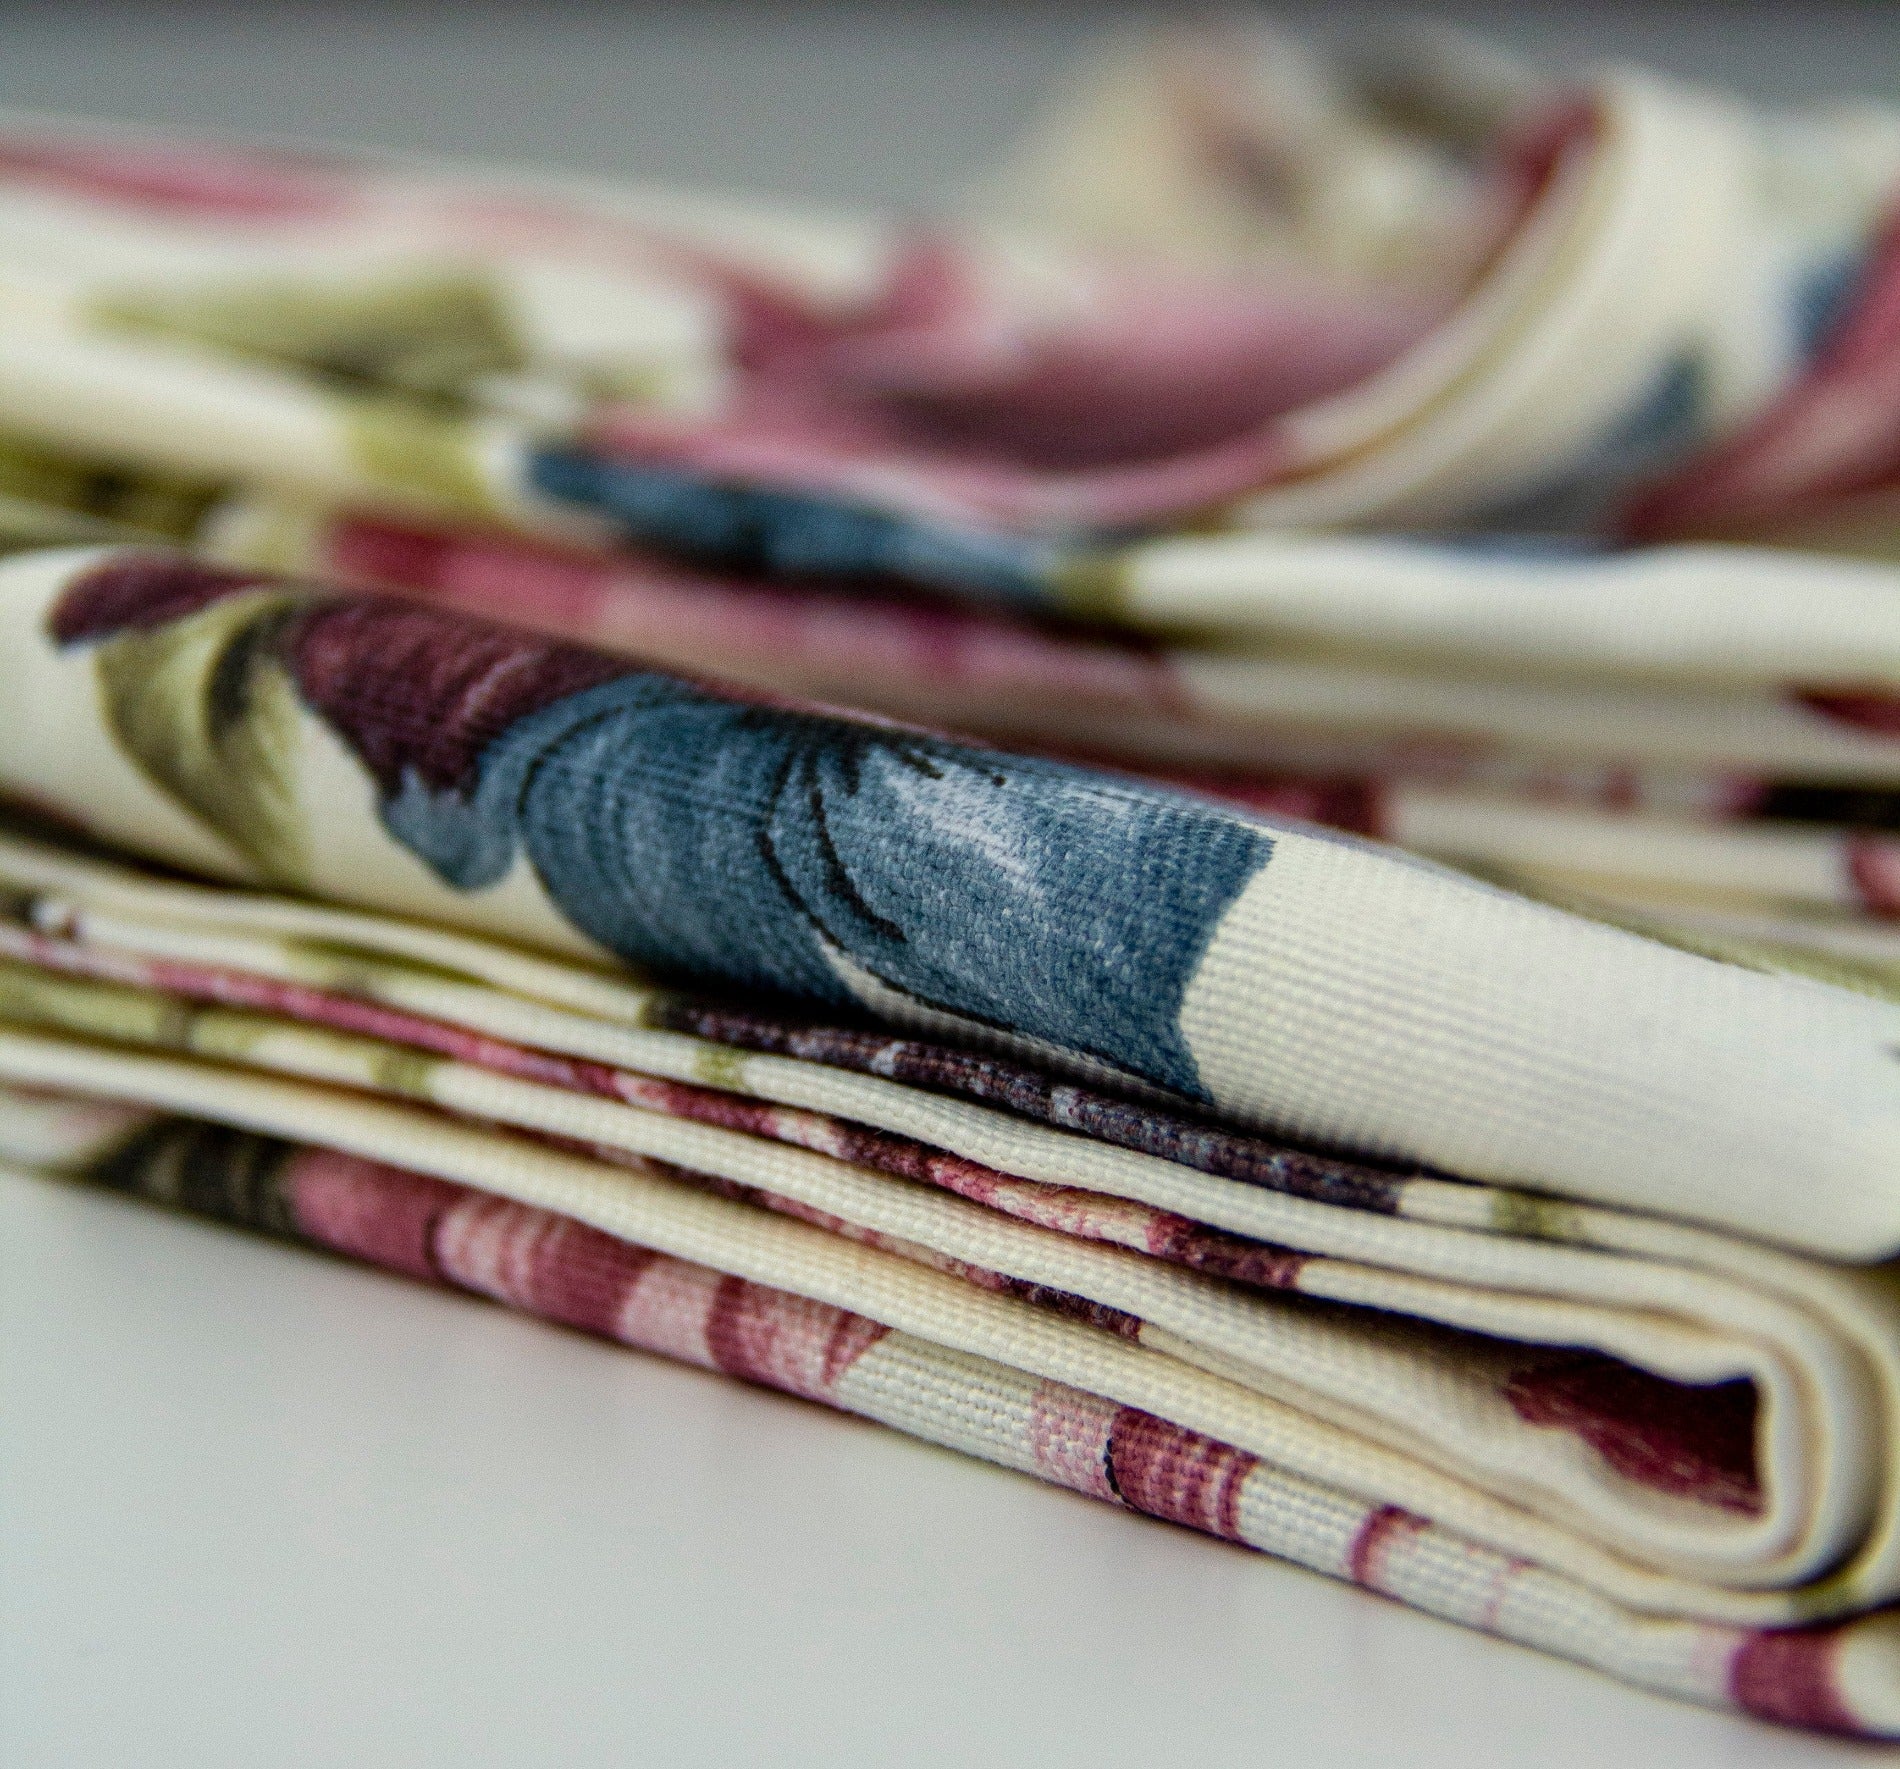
{"x": 1593, "y": 313}
{"x": 1393, "y": 1063}
{"x": 1672, "y": 1438}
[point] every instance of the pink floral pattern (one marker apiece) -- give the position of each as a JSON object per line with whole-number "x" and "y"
{"x": 1698, "y": 1443}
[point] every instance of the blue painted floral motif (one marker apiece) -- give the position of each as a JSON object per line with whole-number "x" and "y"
{"x": 798, "y": 534}
{"x": 757, "y": 846}
{"x": 780, "y": 850}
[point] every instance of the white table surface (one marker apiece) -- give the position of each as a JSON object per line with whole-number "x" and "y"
{"x": 261, "y": 1509}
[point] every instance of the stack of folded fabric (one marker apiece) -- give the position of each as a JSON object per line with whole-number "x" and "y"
{"x": 988, "y": 1096}
{"x": 1089, "y": 1108}
{"x": 1324, "y": 499}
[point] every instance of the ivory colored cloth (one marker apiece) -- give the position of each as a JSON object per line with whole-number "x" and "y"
{"x": 1257, "y": 1176}
{"x": 384, "y": 752}
{"x": 1762, "y": 795}
{"x": 1803, "y": 696}
{"x": 1645, "y": 784}
{"x": 1634, "y": 304}
{"x": 307, "y": 361}
{"x": 1583, "y": 221}
{"x": 1505, "y": 773}
{"x": 570, "y": 1272}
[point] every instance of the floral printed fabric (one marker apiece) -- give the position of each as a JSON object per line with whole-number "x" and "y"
{"x": 1628, "y": 304}
{"x": 382, "y": 753}
{"x": 1526, "y": 1254}
{"x": 1025, "y": 1188}
{"x": 1695, "y": 803}
{"x": 762, "y": 846}
{"x": 1628, "y": 312}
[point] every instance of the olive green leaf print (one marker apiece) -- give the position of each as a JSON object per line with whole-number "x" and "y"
{"x": 119, "y": 1015}
{"x": 395, "y": 361}
{"x": 39, "y": 487}
{"x": 232, "y": 1175}
{"x": 25, "y": 527}
{"x": 431, "y": 337}
{"x": 204, "y": 710}
{"x": 416, "y": 450}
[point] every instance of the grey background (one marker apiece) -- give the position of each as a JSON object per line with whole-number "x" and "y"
{"x": 860, "y": 104}
{"x": 258, "y": 1508}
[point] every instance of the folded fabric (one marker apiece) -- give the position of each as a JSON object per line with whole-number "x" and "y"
{"x": 1646, "y": 307}
{"x": 567, "y": 1271}
{"x": 1669, "y": 792}
{"x": 382, "y": 752}
{"x": 1518, "y": 1240}
{"x": 1310, "y": 662}
{"x": 373, "y": 370}
{"x": 1525, "y": 777}
{"x": 1585, "y": 222}
{"x": 991, "y": 1096}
